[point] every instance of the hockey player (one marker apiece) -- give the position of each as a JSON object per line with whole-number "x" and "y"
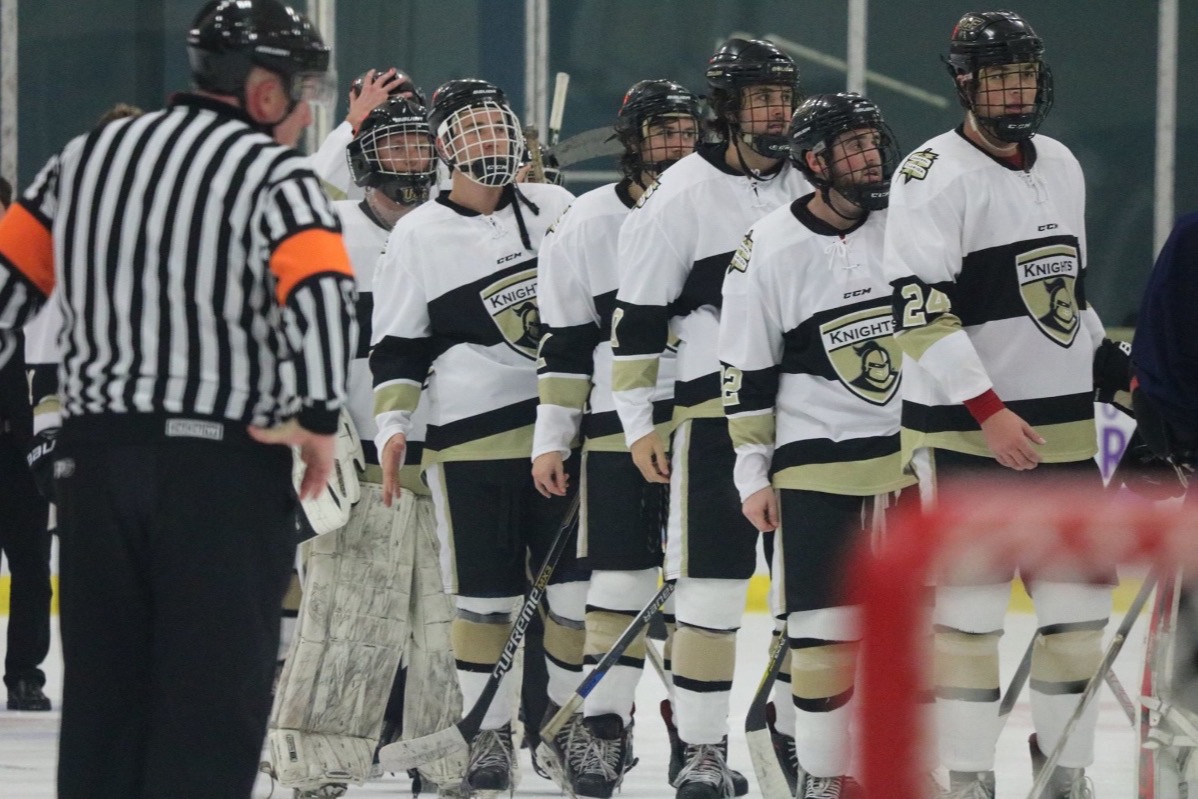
{"x": 456, "y": 292}
{"x": 621, "y": 517}
{"x": 382, "y": 559}
{"x": 986, "y": 251}
{"x": 674, "y": 249}
{"x": 811, "y": 379}
{"x": 368, "y": 91}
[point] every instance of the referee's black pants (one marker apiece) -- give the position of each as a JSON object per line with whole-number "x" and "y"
{"x": 25, "y": 542}
{"x": 174, "y": 557}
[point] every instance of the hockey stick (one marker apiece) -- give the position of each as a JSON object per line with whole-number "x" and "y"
{"x": 1018, "y": 680}
{"x": 552, "y": 727}
{"x": 659, "y": 665}
{"x": 558, "y": 109}
{"x": 404, "y": 755}
{"x": 594, "y": 143}
{"x": 1129, "y": 708}
{"x": 1112, "y": 651}
{"x": 771, "y": 779}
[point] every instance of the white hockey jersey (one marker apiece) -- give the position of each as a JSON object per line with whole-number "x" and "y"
{"x": 987, "y": 262}
{"x": 456, "y": 293}
{"x": 330, "y": 164}
{"x": 811, "y": 368}
{"x": 674, "y": 249}
{"x": 576, "y": 292}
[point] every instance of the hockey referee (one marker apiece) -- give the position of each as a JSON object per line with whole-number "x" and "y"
{"x": 208, "y": 312}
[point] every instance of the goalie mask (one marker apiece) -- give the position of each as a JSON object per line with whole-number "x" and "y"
{"x": 393, "y": 152}
{"x": 753, "y": 79}
{"x": 995, "y": 59}
{"x": 856, "y": 149}
{"x": 477, "y": 132}
{"x": 658, "y": 124}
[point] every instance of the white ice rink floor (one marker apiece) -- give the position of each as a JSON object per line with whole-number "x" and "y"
{"x": 28, "y": 741}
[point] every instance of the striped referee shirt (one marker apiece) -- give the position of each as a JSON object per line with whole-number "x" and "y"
{"x": 199, "y": 270}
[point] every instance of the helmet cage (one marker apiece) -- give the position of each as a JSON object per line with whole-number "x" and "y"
{"x": 1005, "y": 127}
{"x": 817, "y": 127}
{"x": 737, "y": 66}
{"x": 395, "y": 157}
{"x": 647, "y": 105}
{"x": 484, "y": 141}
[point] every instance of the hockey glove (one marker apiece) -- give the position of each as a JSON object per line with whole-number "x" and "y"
{"x": 41, "y": 461}
{"x": 1112, "y": 374}
{"x": 1146, "y": 474}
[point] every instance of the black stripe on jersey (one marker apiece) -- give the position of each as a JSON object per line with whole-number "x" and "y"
{"x": 803, "y": 350}
{"x": 758, "y": 391}
{"x": 987, "y": 289}
{"x": 365, "y": 320}
{"x": 695, "y": 392}
{"x": 825, "y": 450}
{"x": 460, "y": 315}
{"x": 491, "y": 423}
{"x": 395, "y": 358}
{"x": 1036, "y": 412}
{"x": 607, "y": 423}
{"x": 704, "y": 285}
{"x": 605, "y": 306}
{"x": 642, "y": 329}
{"x": 569, "y": 350}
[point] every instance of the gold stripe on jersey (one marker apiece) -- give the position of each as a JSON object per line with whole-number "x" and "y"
{"x": 569, "y": 392}
{"x": 918, "y": 340}
{"x": 614, "y": 442}
{"x": 628, "y": 373}
{"x": 752, "y": 428}
{"x": 508, "y": 444}
{"x": 853, "y": 478}
{"x": 708, "y": 409}
{"x": 1066, "y": 442}
{"x": 396, "y": 396}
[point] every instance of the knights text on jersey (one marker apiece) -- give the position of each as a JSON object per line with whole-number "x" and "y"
{"x": 674, "y": 249}
{"x": 456, "y": 303}
{"x": 987, "y": 263}
{"x": 576, "y": 291}
{"x": 811, "y": 368}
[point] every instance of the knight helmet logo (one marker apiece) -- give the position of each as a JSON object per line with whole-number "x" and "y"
{"x": 1048, "y": 285}
{"x": 512, "y": 304}
{"x": 862, "y": 351}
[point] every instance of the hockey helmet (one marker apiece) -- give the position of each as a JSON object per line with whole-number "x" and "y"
{"x": 647, "y": 102}
{"x": 477, "y": 131}
{"x": 393, "y": 152}
{"x": 405, "y": 88}
{"x": 815, "y": 128}
{"x": 740, "y": 63}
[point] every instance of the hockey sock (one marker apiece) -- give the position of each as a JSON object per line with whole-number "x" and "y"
{"x": 967, "y": 694}
{"x": 614, "y": 598}
{"x": 822, "y": 676}
{"x": 704, "y": 662}
{"x": 479, "y": 633}
{"x": 784, "y": 708}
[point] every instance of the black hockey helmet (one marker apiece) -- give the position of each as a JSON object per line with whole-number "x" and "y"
{"x": 405, "y": 88}
{"x": 740, "y": 63}
{"x": 401, "y": 168}
{"x": 230, "y": 37}
{"x": 997, "y": 38}
{"x": 455, "y": 102}
{"x": 816, "y": 125}
{"x": 646, "y": 102}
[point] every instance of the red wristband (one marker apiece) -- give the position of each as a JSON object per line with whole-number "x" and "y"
{"x": 983, "y": 406}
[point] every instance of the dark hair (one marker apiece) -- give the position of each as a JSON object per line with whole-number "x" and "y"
{"x": 5, "y": 193}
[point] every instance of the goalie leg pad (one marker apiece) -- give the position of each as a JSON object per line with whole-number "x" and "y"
{"x": 351, "y": 633}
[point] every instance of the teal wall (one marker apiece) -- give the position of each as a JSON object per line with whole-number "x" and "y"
{"x": 78, "y": 58}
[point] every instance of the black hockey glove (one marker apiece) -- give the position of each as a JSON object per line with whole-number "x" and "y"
{"x": 1165, "y": 440}
{"x": 41, "y": 461}
{"x": 1146, "y": 474}
{"x": 1112, "y": 374}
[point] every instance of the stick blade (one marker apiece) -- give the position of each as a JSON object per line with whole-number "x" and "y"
{"x": 404, "y": 755}
{"x": 771, "y": 780}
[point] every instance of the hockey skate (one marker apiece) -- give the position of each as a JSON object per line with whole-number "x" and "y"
{"x": 490, "y": 769}
{"x": 569, "y": 747}
{"x": 970, "y": 785}
{"x": 705, "y": 773}
{"x": 25, "y": 695}
{"x": 330, "y": 791}
{"x": 607, "y": 757}
{"x": 1066, "y": 783}
{"x": 784, "y": 750}
{"x": 830, "y": 788}
{"x": 678, "y": 752}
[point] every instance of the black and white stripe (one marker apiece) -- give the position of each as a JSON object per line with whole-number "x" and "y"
{"x": 164, "y": 230}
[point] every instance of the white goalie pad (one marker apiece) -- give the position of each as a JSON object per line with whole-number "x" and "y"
{"x": 352, "y": 630}
{"x": 330, "y": 510}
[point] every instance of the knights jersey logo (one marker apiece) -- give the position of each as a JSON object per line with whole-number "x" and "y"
{"x": 917, "y": 165}
{"x": 1047, "y": 283}
{"x": 862, "y": 350}
{"x": 740, "y": 259}
{"x": 512, "y": 304}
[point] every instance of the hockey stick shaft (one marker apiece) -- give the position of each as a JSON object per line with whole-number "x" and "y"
{"x": 621, "y": 644}
{"x": 771, "y": 780}
{"x": 1018, "y": 680}
{"x": 1121, "y": 695}
{"x": 1108, "y": 659}
{"x": 659, "y": 665}
{"x": 403, "y": 755}
{"x": 558, "y": 109}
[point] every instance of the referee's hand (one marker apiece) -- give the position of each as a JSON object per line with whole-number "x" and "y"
{"x": 316, "y": 451}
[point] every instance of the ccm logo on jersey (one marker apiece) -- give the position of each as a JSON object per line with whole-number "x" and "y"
{"x": 917, "y": 165}
{"x": 507, "y": 258}
{"x": 1049, "y": 226}
{"x": 857, "y": 293}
